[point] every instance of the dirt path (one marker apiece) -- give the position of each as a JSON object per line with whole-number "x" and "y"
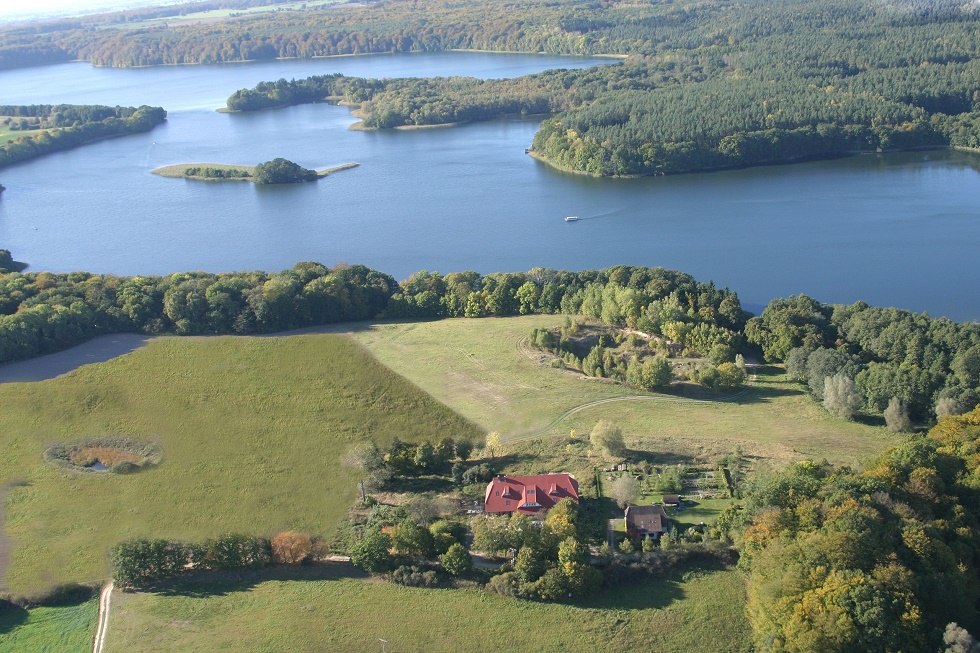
{"x": 59, "y": 363}
{"x": 105, "y": 598}
{"x": 4, "y": 541}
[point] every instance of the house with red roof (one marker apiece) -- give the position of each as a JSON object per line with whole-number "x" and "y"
{"x": 529, "y": 495}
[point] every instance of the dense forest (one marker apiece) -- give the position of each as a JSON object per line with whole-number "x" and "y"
{"x": 880, "y": 560}
{"x": 707, "y": 87}
{"x": 64, "y": 126}
{"x": 704, "y": 85}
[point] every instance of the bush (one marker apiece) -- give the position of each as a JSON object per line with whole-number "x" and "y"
{"x": 138, "y": 563}
{"x": 482, "y": 473}
{"x": 371, "y": 553}
{"x": 413, "y": 576}
{"x": 457, "y": 560}
{"x": 291, "y": 548}
{"x": 505, "y": 584}
{"x": 234, "y": 551}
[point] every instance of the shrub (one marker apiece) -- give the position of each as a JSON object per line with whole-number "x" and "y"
{"x": 291, "y": 548}
{"x": 138, "y": 563}
{"x": 457, "y": 560}
{"x": 505, "y": 584}
{"x": 413, "y": 576}
{"x": 482, "y": 473}
{"x": 607, "y": 439}
{"x": 371, "y": 553}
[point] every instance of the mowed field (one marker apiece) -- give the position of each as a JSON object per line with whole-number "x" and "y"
{"x": 62, "y": 629}
{"x": 692, "y": 610}
{"x": 252, "y": 431}
{"x": 484, "y": 370}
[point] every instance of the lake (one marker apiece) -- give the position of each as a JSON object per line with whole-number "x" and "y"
{"x": 900, "y": 229}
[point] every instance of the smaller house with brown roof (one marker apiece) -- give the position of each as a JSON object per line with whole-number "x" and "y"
{"x": 643, "y": 521}
{"x": 529, "y": 495}
{"x": 672, "y": 500}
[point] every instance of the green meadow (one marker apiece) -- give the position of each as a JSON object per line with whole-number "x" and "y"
{"x": 690, "y": 610}
{"x": 484, "y": 370}
{"x": 252, "y": 431}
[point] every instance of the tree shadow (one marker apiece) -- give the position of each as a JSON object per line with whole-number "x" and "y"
{"x": 11, "y": 616}
{"x": 206, "y": 584}
{"x": 659, "y": 458}
{"x": 645, "y": 591}
{"x": 420, "y": 484}
{"x": 508, "y": 461}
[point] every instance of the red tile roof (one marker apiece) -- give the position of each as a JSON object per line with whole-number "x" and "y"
{"x": 529, "y": 495}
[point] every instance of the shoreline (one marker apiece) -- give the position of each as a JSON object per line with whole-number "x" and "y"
{"x": 805, "y": 159}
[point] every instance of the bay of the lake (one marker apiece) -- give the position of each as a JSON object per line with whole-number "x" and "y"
{"x": 900, "y": 229}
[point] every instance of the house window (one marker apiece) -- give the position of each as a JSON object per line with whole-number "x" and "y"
{"x": 506, "y": 503}
{"x": 498, "y": 494}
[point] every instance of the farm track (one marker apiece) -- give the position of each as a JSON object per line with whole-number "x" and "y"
{"x": 105, "y": 598}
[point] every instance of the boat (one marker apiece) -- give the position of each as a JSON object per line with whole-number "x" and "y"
{"x": 571, "y": 218}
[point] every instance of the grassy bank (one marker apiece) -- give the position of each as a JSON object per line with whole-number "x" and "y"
{"x": 252, "y": 430}
{"x": 484, "y": 370}
{"x": 679, "y": 613}
{"x": 62, "y": 629}
{"x": 179, "y": 170}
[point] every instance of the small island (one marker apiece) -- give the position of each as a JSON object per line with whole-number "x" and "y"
{"x": 276, "y": 171}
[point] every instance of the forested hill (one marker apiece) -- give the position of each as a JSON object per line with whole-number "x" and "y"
{"x": 706, "y": 86}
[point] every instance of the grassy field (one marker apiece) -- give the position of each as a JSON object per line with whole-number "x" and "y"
{"x": 251, "y": 430}
{"x": 215, "y": 15}
{"x": 693, "y": 610}
{"x": 63, "y": 629}
{"x": 179, "y": 170}
{"x": 483, "y": 370}
{"x": 7, "y": 135}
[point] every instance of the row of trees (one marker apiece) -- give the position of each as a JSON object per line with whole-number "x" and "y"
{"x": 43, "y": 312}
{"x": 209, "y": 172}
{"x": 72, "y": 126}
{"x": 141, "y": 562}
{"x": 878, "y": 560}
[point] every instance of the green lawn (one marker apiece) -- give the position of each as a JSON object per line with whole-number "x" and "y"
{"x": 695, "y": 511}
{"x": 483, "y": 370}
{"x": 7, "y": 135}
{"x": 692, "y": 610}
{"x": 63, "y": 629}
{"x": 251, "y": 430}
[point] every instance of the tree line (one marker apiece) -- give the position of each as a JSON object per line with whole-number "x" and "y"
{"x": 68, "y": 126}
{"x": 931, "y": 366}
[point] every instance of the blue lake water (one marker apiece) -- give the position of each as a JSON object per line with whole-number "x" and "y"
{"x": 901, "y": 229}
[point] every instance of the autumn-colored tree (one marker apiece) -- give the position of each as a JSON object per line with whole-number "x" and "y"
{"x": 492, "y": 443}
{"x": 291, "y": 548}
{"x": 562, "y": 519}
